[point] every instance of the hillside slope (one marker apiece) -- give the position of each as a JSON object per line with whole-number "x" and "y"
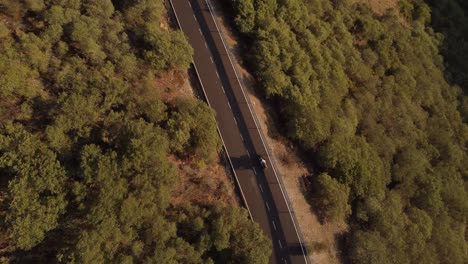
{"x": 88, "y": 146}
{"x": 368, "y": 98}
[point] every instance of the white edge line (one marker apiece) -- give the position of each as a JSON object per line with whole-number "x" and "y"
{"x": 261, "y": 134}
{"x": 222, "y": 140}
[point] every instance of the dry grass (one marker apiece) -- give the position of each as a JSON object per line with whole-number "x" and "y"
{"x": 204, "y": 186}
{"x": 173, "y": 84}
{"x": 321, "y": 238}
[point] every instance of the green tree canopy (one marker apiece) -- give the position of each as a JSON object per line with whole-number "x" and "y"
{"x": 372, "y": 100}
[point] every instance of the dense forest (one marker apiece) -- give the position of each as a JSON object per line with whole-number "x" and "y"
{"x": 86, "y": 141}
{"x": 378, "y": 104}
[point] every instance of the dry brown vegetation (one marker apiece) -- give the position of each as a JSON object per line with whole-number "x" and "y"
{"x": 204, "y": 186}
{"x": 172, "y": 85}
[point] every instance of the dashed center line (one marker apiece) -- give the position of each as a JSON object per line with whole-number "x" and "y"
{"x": 242, "y": 137}
{"x": 261, "y": 188}
{"x": 274, "y": 225}
{"x": 267, "y": 206}
{"x": 281, "y": 245}
{"x": 255, "y": 171}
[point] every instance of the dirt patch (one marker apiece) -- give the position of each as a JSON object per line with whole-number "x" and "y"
{"x": 204, "y": 186}
{"x": 321, "y": 238}
{"x": 173, "y": 84}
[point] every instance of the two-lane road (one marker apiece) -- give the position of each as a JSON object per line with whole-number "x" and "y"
{"x": 261, "y": 189}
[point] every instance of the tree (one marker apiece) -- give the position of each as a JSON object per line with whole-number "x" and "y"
{"x": 371, "y": 100}
{"x": 225, "y": 234}
{"x": 368, "y": 248}
{"x": 192, "y": 128}
{"x": 333, "y": 198}
{"x": 36, "y": 189}
{"x": 245, "y": 15}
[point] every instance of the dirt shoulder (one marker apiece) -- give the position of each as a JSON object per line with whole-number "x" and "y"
{"x": 321, "y": 238}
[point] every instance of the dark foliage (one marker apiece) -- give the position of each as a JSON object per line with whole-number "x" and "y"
{"x": 85, "y": 140}
{"x": 368, "y": 96}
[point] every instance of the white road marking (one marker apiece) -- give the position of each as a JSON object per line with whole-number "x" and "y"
{"x": 255, "y": 171}
{"x": 222, "y": 87}
{"x": 217, "y": 74}
{"x": 190, "y": 6}
{"x": 230, "y": 107}
{"x": 261, "y": 188}
{"x": 235, "y": 121}
{"x": 279, "y": 242}
{"x": 243, "y": 140}
{"x": 206, "y": 45}
{"x": 274, "y": 225}
{"x": 212, "y": 62}
{"x": 268, "y": 207}
{"x": 200, "y": 31}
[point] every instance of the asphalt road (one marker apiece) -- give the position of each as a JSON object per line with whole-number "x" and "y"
{"x": 261, "y": 191}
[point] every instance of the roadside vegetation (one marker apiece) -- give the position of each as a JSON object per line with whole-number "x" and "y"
{"x": 379, "y": 107}
{"x": 85, "y": 141}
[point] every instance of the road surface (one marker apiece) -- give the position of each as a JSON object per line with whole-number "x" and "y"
{"x": 261, "y": 191}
